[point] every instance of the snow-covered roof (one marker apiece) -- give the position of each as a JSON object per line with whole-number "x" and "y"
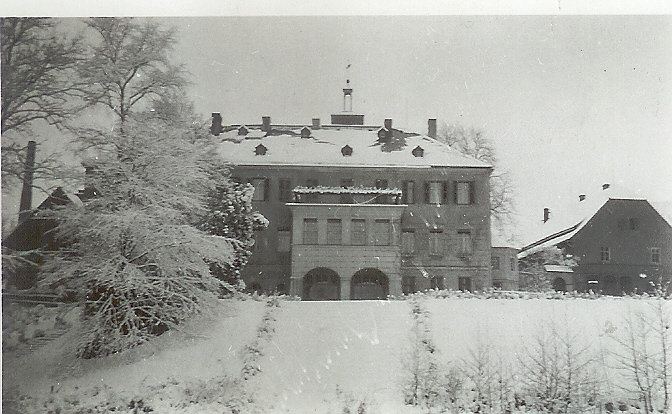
{"x": 285, "y": 146}
{"x": 567, "y": 220}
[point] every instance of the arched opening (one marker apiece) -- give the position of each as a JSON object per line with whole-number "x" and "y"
{"x": 321, "y": 283}
{"x": 559, "y": 285}
{"x": 369, "y": 283}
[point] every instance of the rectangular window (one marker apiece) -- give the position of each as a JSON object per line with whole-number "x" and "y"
{"x": 465, "y": 244}
{"x": 310, "y": 231}
{"x": 334, "y": 231}
{"x": 381, "y": 232}
{"x": 346, "y": 198}
{"x": 284, "y": 240}
{"x": 437, "y": 282}
{"x": 358, "y": 232}
{"x": 408, "y": 242}
{"x": 311, "y": 198}
{"x": 435, "y": 242}
{"x": 285, "y": 190}
{"x": 408, "y": 284}
{"x": 513, "y": 264}
{"x": 382, "y": 199}
{"x": 494, "y": 262}
{"x": 605, "y": 254}
{"x": 260, "y": 188}
{"x": 464, "y": 192}
{"x": 464, "y": 284}
{"x": 436, "y": 192}
{"x": 655, "y": 255}
{"x": 408, "y": 192}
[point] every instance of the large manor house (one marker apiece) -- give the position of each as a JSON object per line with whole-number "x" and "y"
{"x": 360, "y": 211}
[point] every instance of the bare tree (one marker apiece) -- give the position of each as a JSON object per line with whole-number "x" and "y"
{"x": 129, "y": 65}
{"x": 38, "y": 84}
{"x": 37, "y": 73}
{"x": 559, "y": 373}
{"x": 474, "y": 143}
{"x": 642, "y": 353}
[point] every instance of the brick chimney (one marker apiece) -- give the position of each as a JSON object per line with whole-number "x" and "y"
{"x": 216, "y": 127}
{"x": 547, "y": 214}
{"x": 26, "y": 203}
{"x": 316, "y": 123}
{"x": 388, "y": 124}
{"x": 266, "y": 123}
{"x": 431, "y": 127}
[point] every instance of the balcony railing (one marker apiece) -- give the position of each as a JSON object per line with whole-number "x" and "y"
{"x": 346, "y": 195}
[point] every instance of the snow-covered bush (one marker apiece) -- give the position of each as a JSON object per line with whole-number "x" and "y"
{"x": 230, "y": 214}
{"x": 135, "y": 254}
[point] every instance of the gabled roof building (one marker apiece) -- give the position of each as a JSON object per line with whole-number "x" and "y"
{"x": 621, "y": 243}
{"x": 360, "y": 211}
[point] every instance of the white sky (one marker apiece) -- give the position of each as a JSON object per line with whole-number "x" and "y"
{"x": 570, "y": 101}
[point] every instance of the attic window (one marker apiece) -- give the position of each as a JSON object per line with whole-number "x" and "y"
{"x": 418, "y": 151}
{"x": 382, "y": 133}
{"x": 242, "y": 130}
{"x": 346, "y": 151}
{"x": 260, "y": 149}
{"x": 305, "y": 132}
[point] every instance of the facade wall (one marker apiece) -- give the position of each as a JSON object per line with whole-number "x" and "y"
{"x": 504, "y": 264}
{"x": 446, "y": 223}
{"x": 630, "y": 229}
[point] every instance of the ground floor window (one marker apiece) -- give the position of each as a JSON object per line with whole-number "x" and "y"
{"x": 437, "y": 282}
{"x": 464, "y": 284}
{"x": 408, "y": 284}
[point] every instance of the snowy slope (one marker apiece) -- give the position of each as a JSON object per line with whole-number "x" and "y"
{"x": 313, "y": 356}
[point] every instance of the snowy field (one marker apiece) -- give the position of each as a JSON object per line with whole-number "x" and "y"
{"x": 328, "y": 357}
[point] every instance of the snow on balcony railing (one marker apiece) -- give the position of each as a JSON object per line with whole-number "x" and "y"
{"x": 348, "y": 195}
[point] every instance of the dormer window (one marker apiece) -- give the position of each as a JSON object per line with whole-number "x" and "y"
{"x": 382, "y": 133}
{"x": 305, "y": 132}
{"x": 242, "y": 130}
{"x": 260, "y": 149}
{"x": 346, "y": 151}
{"x": 418, "y": 151}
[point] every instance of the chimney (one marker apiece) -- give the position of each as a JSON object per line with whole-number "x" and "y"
{"x": 266, "y": 123}
{"x": 388, "y": 124}
{"x": 605, "y": 186}
{"x": 316, "y": 123}
{"x": 216, "y": 127}
{"x": 582, "y": 197}
{"x": 26, "y": 203}
{"x": 431, "y": 127}
{"x": 547, "y": 214}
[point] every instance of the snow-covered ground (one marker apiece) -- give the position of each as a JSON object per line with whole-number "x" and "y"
{"x": 303, "y": 356}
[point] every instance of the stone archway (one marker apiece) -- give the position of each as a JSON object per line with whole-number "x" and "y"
{"x": 321, "y": 283}
{"x": 369, "y": 283}
{"x": 559, "y": 285}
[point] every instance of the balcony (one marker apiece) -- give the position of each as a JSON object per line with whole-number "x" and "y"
{"x": 346, "y": 195}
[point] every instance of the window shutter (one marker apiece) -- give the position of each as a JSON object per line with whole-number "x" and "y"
{"x": 426, "y": 192}
{"x": 266, "y": 182}
{"x": 472, "y": 192}
{"x": 445, "y": 192}
{"x": 455, "y": 192}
